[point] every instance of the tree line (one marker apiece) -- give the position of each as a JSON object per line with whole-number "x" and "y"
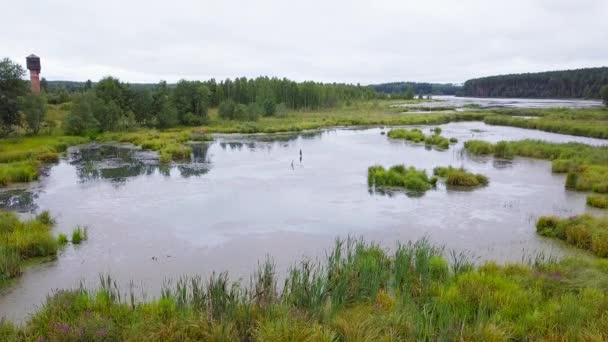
{"x": 110, "y": 104}
{"x": 419, "y": 88}
{"x": 580, "y": 83}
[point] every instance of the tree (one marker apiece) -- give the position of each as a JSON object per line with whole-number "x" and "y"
{"x": 409, "y": 93}
{"x": 34, "y": 109}
{"x": 269, "y": 106}
{"x": 81, "y": 119}
{"x": 11, "y": 88}
{"x": 191, "y": 98}
{"x": 604, "y": 95}
{"x": 110, "y": 89}
{"x": 226, "y": 109}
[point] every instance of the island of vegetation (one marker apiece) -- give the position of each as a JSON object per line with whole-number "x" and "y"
{"x": 460, "y": 177}
{"x": 416, "y": 135}
{"x": 400, "y": 176}
{"x": 583, "y": 231}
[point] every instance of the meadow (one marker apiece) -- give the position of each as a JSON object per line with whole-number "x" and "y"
{"x": 359, "y": 292}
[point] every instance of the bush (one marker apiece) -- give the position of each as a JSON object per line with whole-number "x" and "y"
{"x": 226, "y": 109}
{"x": 269, "y": 107}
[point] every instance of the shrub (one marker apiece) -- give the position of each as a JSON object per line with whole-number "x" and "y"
{"x": 226, "y": 109}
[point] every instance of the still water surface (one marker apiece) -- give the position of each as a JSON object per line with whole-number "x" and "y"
{"x": 243, "y": 198}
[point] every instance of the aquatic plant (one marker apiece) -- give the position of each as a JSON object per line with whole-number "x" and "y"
{"x": 79, "y": 234}
{"x": 359, "y": 291}
{"x": 460, "y": 177}
{"x": 401, "y": 177}
{"x": 598, "y": 201}
{"x": 62, "y": 239}
{"x": 416, "y": 135}
{"x": 478, "y": 147}
{"x": 453, "y": 140}
{"x": 583, "y": 231}
{"x": 18, "y": 172}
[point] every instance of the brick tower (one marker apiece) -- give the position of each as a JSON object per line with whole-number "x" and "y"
{"x": 33, "y": 65}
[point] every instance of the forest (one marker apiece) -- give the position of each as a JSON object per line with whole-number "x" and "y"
{"x": 418, "y": 88}
{"x": 581, "y": 83}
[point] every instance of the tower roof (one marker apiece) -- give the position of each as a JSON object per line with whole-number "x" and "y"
{"x": 32, "y": 56}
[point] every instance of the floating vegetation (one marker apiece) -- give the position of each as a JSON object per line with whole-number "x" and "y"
{"x": 598, "y": 201}
{"x": 359, "y": 291}
{"x": 400, "y": 176}
{"x": 460, "y": 177}
{"x": 417, "y": 136}
{"x": 583, "y": 231}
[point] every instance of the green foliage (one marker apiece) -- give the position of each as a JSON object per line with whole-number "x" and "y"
{"x": 359, "y": 292}
{"x": 22, "y": 240}
{"x": 79, "y": 234}
{"x": 82, "y": 118}
{"x": 34, "y": 108}
{"x": 479, "y": 147}
{"x": 191, "y": 100}
{"x": 18, "y": 172}
{"x": 416, "y": 135}
{"x": 598, "y": 201}
{"x": 604, "y": 95}
{"x": 269, "y": 106}
{"x": 227, "y": 109}
{"x": 460, "y": 177}
{"x": 581, "y": 83}
{"x": 401, "y": 177}
{"x": 11, "y": 88}
{"x": 583, "y": 231}
{"x": 62, "y": 239}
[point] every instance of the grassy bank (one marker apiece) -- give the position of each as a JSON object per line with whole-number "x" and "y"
{"x": 399, "y": 176}
{"x": 586, "y": 166}
{"x": 589, "y": 122}
{"x": 361, "y": 292}
{"x": 583, "y": 231}
{"x": 22, "y": 240}
{"x": 460, "y": 177}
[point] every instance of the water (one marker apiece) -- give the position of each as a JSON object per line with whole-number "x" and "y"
{"x": 241, "y": 200}
{"x": 461, "y": 103}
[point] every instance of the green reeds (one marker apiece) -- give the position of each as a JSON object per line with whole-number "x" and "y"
{"x": 401, "y": 177}
{"x": 460, "y": 177}
{"x": 598, "y": 201}
{"x": 416, "y": 135}
{"x": 359, "y": 291}
{"x": 79, "y": 234}
{"x": 583, "y": 231}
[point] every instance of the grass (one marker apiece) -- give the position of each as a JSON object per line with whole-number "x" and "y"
{"x": 399, "y": 176}
{"x": 460, "y": 177}
{"x": 416, "y": 135}
{"x": 79, "y": 234}
{"x": 597, "y": 201}
{"x": 21, "y": 240}
{"x": 590, "y": 122}
{"x": 359, "y": 292}
{"x": 583, "y": 231}
{"x": 586, "y": 166}
{"x": 21, "y": 158}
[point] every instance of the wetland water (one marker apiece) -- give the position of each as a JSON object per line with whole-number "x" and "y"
{"x": 241, "y": 199}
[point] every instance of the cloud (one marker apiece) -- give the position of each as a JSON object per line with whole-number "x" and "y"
{"x": 344, "y": 41}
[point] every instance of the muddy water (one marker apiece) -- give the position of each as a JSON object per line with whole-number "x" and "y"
{"x": 243, "y": 198}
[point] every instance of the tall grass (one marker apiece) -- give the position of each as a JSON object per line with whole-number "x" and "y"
{"x": 21, "y": 240}
{"x": 360, "y": 291}
{"x": 416, "y": 135}
{"x": 598, "y": 201}
{"x": 460, "y": 177}
{"x": 400, "y": 176}
{"x": 583, "y": 231}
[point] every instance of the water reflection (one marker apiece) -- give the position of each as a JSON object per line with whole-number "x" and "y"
{"x": 19, "y": 200}
{"x": 120, "y": 162}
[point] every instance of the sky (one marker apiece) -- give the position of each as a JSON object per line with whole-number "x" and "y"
{"x": 331, "y": 41}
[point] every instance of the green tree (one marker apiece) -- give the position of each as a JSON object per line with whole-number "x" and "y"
{"x": 604, "y": 94}
{"x": 34, "y": 109}
{"x": 11, "y": 88}
{"x": 109, "y": 89}
{"x": 191, "y": 97}
{"x": 269, "y": 106}
{"x": 226, "y": 109}
{"x": 81, "y": 119}
{"x": 409, "y": 93}
{"x": 167, "y": 116}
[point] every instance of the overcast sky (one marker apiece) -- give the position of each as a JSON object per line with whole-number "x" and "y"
{"x": 344, "y": 41}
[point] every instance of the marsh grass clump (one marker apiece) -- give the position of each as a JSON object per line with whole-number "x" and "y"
{"x": 478, "y": 147}
{"x": 399, "y": 176}
{"x": 583, "y": 231}
{"x": 62, "y": 239}
{"x": 460, "y": 177}
{"x": 21, "y": 240}
{"x": 358, "y": 291}
{"x": 79, "y": 234}
{"x": 598, "y": 201}
{"x": 417, "y": 136}
{"x": 19, "y": 172}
